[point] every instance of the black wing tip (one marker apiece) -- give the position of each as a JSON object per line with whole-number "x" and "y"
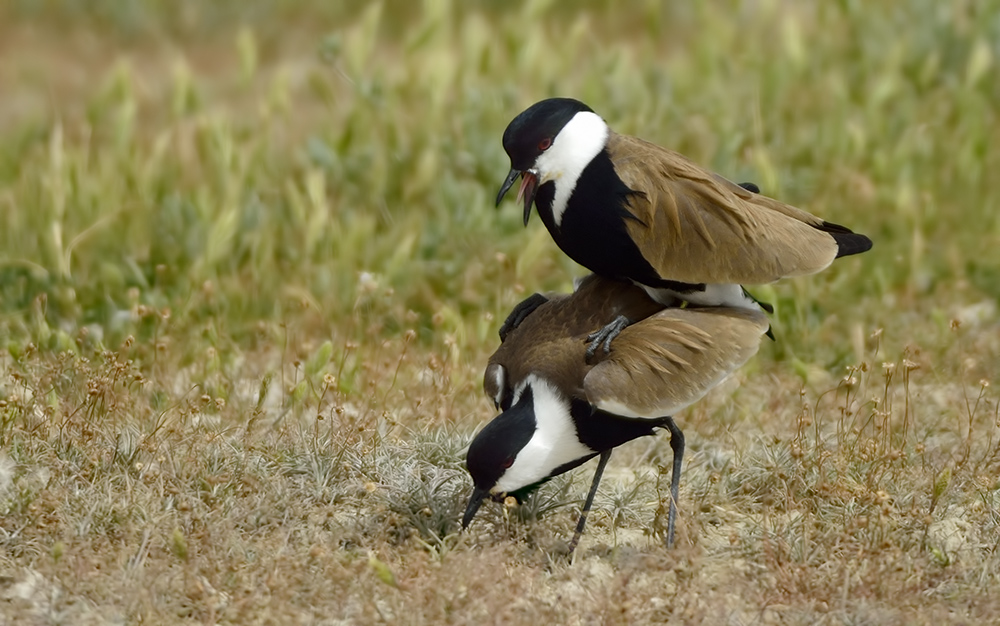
{"x": 848, "y": 241}
{"x": 851, "y": 243}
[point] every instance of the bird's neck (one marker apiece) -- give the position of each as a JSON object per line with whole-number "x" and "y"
{"x": 592, "y": 227}
{"x": 554, "y": 443}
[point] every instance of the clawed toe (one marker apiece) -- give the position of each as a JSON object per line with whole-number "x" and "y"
{"x": 604, "y": 336}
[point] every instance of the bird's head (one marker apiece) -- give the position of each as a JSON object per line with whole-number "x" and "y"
{"x": 550, "y": 140}
{"x": 530, "y": 442}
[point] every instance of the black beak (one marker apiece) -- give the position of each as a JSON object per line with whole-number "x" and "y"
{"x": 507, "y": 184}
{"x": 529, "y": 185}
{"x": 478, "y": 495}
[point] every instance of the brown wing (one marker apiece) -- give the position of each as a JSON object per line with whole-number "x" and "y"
{"x": 551, "y": 341}
{"x": 670, "y": 360}
{"x": 694, "y": 226}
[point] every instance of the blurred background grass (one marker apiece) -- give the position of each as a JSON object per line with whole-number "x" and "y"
{"x": 250, "y": 272}
{"x": 231, "y": 161}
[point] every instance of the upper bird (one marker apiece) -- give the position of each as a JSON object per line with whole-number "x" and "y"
{"x": 625, "y": 208}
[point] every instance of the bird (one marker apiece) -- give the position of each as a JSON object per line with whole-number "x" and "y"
{"x": 561, "y": 407}
{"x": 626, "y": 208}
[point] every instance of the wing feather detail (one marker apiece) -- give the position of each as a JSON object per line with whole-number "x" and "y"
{"x": 695, "y": 226}
{"x": 672, "y": 359}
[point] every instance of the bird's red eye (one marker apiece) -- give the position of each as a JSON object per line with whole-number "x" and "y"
{"x": 507, "y": 462}
{"x": 544, "y": 144}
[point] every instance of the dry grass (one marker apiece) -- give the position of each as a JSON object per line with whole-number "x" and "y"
{"x": 250, "y": 274}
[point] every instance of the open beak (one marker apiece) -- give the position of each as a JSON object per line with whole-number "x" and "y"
{"x": 478, "y": 495}
{"x": 529, "y": 185}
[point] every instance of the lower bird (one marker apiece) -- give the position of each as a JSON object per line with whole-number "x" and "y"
{"x": 564, "y": 404}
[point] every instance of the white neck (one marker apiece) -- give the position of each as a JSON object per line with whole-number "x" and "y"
{"x": 553, "y": 444}
{"x": 576, "y": 145}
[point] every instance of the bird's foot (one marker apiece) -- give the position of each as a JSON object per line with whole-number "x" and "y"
{"x": 604, "y": 336}
{"x": 520, "y": 312}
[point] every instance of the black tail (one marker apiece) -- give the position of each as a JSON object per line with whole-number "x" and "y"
{"x": 848, "y": 242}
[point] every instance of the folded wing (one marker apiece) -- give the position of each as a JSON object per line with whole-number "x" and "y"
{"x": 672, "y": 359}
{"x": 695, "y": 226}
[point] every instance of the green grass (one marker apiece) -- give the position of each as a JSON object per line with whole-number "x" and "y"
{"x": 250, "y": 274}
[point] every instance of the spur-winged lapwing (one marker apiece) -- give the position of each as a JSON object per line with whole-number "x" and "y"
{"x": 562, "y": 407}
{"x": 626, "y": 208}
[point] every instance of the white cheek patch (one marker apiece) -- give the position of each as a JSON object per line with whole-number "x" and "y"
{"x": 553, "y": 444}
{"x": 572, "y": 150}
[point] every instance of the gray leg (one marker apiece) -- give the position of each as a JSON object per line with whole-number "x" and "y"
{"x": 590, "y": 500}
{"x": 605, "y": 335}
{"x": 677, "y": 445}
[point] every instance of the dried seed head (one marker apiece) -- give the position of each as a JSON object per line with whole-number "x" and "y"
{"x": 941, "y": 483}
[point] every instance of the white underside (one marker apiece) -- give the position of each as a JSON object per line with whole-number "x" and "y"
{"x": 714, "y": 295}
